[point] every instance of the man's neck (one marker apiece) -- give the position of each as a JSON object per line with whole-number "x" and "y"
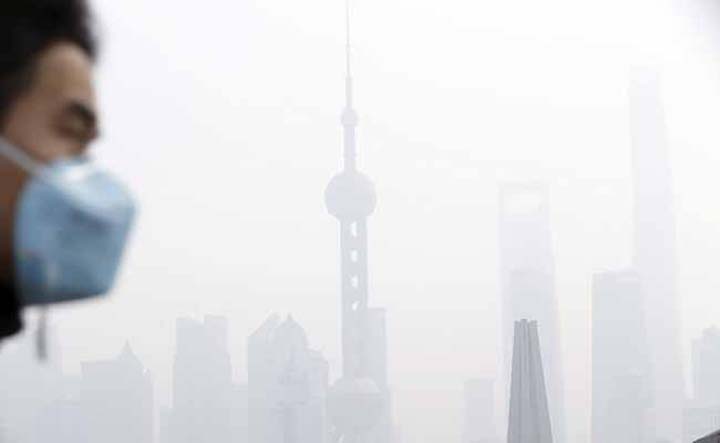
{"x": 6, "y": 263}
{"x": 6, "y": 246}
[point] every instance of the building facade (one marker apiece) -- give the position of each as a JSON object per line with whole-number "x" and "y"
{"x": 287, "y": 385}
{"x": 201, "y": 410}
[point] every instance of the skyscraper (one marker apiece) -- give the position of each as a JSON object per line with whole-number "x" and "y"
{"x": 529, "y": 420}
{"x": 202, "y": 383}
{"x": 287, "y": 384}
{"x": 655, "y": 250}
{"x": 620, "y": 390}
{"x": 350, "y": 197}
{"x": 527, "y": 278}
{"x": 479, "y": 426}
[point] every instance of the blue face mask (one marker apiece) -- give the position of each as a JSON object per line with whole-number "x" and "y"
{"x": 71, "y": 226}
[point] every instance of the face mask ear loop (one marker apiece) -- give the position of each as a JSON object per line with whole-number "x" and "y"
{"x": 41, "y": 346}
{"x": 20, "y": 158}
{"x": 41, "y": 339}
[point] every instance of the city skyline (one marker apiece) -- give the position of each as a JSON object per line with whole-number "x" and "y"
{"x": 440, "y": 133}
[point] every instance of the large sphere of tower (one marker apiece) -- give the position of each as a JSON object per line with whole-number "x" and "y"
{"x": 350, "y": 195}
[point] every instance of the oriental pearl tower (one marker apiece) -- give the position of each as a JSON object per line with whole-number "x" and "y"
{"x": 359, "y": 399}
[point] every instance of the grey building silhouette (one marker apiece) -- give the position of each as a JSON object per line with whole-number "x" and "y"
{"x": 112, "y": 401}
{"x": 360, "y": 400}
{"x": 202, "y": 408}
{"x": 479, "y": 423}
{"x": 655, "y": 250}
{"x": 239, "y": 405}
{"x": 527, "y": 279}
{"x": 620, "y": 381}
{"x": 702, "y": 413}
{"x": 529, "y": 419}
{"x": 287, "y": 384}
{"x": 116, "y": 400}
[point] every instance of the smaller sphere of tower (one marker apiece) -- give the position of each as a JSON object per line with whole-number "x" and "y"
{"x": 350, "y": 195}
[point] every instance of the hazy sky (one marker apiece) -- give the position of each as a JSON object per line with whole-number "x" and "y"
{"x": 224, "y": 117}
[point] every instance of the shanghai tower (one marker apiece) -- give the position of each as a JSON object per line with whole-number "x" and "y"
{"x": 360, "y": 400}
{"x": 655, "y": 250}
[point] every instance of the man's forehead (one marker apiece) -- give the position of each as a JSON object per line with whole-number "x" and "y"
{"x": 64, "y": 72}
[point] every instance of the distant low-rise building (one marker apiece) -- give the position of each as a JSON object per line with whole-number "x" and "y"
{"x": 702, "y": 413}
{"x": 116, "y": 400}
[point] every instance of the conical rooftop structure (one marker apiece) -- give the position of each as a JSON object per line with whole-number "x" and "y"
{"x": 529, "y": 420}
{"x": 712, "y": 438}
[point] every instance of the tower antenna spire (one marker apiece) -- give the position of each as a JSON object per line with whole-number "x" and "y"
{"x": 347, "y": 34}
{"x": 349, "y": 116}
{"x": 348, "y": 50}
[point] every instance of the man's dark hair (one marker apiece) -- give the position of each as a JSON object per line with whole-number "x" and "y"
{"x": 27, "y": 27}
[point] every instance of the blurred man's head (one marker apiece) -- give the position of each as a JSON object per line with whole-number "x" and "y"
{"x": 47, "y": 99}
